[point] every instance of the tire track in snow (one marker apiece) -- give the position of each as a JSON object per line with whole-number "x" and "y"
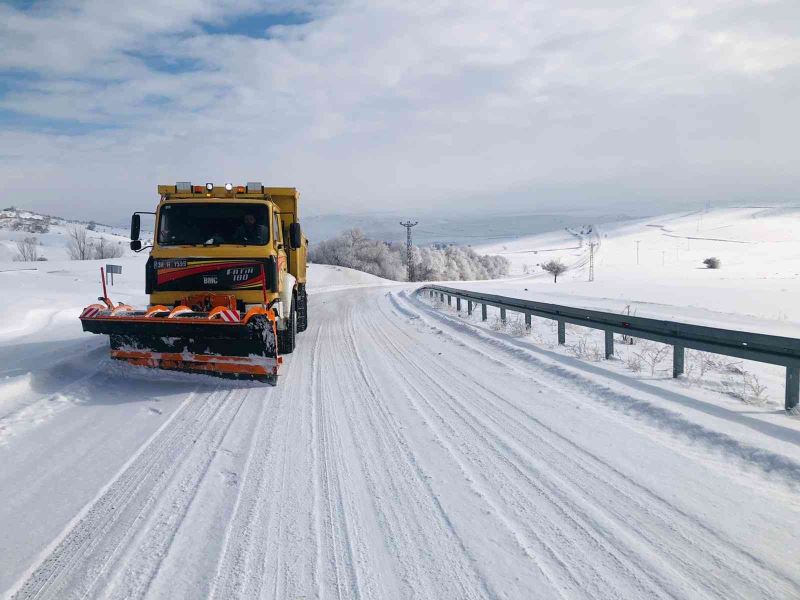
{"x": 709, "y": 557}
{"x": 709, "y": 560}
{"x": 599, "y": 543}
{"x": 242, "y": 569}
{"x": 553, "y": 531}
{"x": 241, "y": 536}
{"x": 162, "y": 516}
{"x": 417, "y": 525}
{"x": 70, "y": 566}
{"x": 289, "y": 563}
{"x": 534, "y": 547}
{"x": 340, "y": 531}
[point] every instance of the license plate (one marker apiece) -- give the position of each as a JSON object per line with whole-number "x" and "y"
{"x": 169, "y": 263}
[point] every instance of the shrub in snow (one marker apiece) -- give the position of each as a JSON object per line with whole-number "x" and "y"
{"x": 497, "y": 324}
{"x": 105, "y": 249}
{"x": 652, "y": 354}
{"x": 634, "y": 363}
{"x": 746, "y": 387}
{"x": 517, "y": 327}
{"x": 555, "y": 267}
{"x": 352, "y": 249}
{"x": 78, "y": 245}
{"x": 584, "y": 347}
{"x": 27, "y": 250}
{"x": 712, "y": 263}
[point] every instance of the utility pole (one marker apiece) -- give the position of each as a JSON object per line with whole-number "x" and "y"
{"x": 591, "y": 260}
{"x": 410, "y": 264}
{"x": 637, "y": 250}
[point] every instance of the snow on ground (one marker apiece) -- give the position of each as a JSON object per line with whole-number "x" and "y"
{"x": 325, "y": 278}
{"x": 406, "y": 452}
{"x": 758, "y": 286}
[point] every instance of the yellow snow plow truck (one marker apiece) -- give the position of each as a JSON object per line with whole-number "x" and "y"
{"x": 226, "y": 278}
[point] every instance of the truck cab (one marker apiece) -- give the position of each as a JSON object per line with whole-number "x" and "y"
{"x": 239, "y": 246}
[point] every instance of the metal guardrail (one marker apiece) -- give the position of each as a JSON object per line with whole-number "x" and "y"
{"x": 772, "y": 349}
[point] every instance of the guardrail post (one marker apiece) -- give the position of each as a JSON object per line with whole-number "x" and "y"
{"x": 441, "y": 297}
{"x": 527, "y": 321}
{"x": 469, "y": 307}
{"x": 431, "y": 293}
{"x": 449, "y": 300}
{"x": 562, "y": 332}
{"x": 458, "y": 304}
{"x": 503, "y": 315}
{"x": 678, "y": 358}
{"x": 483, "y": 312}
{"x": 792, "y": 387}
{"x": 609, "y": 343}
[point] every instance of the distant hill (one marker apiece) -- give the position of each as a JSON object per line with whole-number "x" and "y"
{"x": 50, "y": 232}
{"x": 467, "y": 229}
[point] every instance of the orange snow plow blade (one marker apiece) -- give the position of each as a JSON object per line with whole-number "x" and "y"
{"x": 228, "y": 365}
{"x": 218, "y": 340}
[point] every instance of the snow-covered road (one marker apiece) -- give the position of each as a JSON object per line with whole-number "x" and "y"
{"x": 404, "y": 454}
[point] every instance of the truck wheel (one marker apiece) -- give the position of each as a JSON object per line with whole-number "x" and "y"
{"x": 302, "y": 311}
{"x": 287, "y": 337}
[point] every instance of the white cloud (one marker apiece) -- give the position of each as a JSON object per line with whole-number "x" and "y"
{"x": 381, "y": 104}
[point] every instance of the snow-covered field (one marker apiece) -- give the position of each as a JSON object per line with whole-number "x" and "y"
{"x": 758, "y": 285}
{"x": 407, "y": 452}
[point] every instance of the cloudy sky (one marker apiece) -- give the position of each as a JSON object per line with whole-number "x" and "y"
{"x": 386, "y": 105}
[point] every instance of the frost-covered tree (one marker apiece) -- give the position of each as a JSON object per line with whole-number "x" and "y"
{"x": 352, "y": 249}
{"x": 555, "y": 267}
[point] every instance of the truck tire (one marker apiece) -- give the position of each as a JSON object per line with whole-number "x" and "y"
{"x": 302, "y": 310}
{"x": 287, "y": 337}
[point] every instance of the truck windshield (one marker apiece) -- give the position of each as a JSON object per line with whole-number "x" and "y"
{"x": 210, "y": 224}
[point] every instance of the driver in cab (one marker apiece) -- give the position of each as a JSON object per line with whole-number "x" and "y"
{"x": 249, "y": 232}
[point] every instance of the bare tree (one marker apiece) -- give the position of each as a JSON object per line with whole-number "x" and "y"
{"x": 78, "y": 245}
{"x": 106, "y": 249}
{"x": 27, "y": 250}
{"x": 555, "y": 267}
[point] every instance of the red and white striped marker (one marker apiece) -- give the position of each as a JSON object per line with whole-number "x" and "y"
{"x": 229, "y": 315}
{"x": 90, "y": 311}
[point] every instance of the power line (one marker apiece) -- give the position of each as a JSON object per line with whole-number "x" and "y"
{"x": 410, "y": 263}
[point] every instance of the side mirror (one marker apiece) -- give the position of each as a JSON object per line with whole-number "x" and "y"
{"x": 136, "y": 224}
{"x": 136, "y": 245}
{"x": 295, "y": 236}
